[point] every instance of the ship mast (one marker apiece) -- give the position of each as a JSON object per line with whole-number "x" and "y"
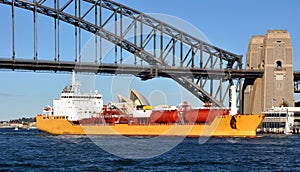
{"x": 233, "y": 108}
{"x": 75, "y": 84}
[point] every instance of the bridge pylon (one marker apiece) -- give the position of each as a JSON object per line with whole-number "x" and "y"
{"x": 273, "y": 54}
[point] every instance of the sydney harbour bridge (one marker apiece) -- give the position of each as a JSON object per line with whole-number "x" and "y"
{"x": 156, "y": 48}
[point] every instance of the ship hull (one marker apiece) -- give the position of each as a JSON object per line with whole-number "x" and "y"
{"x": 221, "y": 126}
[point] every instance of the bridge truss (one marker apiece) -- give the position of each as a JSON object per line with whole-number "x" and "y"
{"x": 153, "y": 47}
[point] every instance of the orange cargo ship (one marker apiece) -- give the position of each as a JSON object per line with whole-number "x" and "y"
{"x": 77, "y": 113}
{"x": 246, "y": 126}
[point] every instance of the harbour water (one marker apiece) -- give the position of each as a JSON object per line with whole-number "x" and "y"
{"x": 31, "y": 150}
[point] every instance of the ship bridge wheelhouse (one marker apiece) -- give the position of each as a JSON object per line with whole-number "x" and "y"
{"x": 81, "y": 96}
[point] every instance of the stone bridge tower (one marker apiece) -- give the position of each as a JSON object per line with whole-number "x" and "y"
{"x": 271, "y": 53}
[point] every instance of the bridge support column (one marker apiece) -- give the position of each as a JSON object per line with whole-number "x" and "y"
{"x": 271, "y": 53}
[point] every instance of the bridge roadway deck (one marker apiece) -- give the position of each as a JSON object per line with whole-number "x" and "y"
{"x": 145, "y": 72}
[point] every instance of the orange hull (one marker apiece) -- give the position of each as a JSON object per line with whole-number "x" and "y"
{"x": 244, "y": 126}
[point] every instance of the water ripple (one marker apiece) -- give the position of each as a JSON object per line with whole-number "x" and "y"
{"x": 37, "y": 151}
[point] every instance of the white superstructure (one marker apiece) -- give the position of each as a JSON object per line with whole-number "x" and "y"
{"x": 76, "y": 105}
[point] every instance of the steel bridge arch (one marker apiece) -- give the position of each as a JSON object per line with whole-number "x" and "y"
{"x": 194, "y": 85}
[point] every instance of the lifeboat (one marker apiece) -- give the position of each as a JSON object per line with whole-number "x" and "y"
{"x": 47, "y": 108}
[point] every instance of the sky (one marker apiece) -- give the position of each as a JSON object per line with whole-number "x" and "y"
{"x": 226, "y": 24}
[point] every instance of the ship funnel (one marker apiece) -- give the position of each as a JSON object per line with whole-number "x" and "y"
{"x": 233, "y": 108}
